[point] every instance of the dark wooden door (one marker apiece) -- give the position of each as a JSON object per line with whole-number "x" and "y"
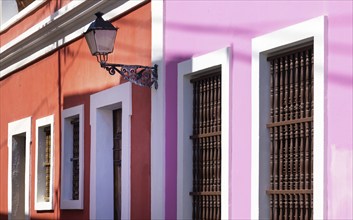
{"x": 117, "y": 162}
{"x": 18, "y": 176}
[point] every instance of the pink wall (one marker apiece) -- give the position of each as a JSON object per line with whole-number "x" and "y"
{"x": 194, "y": 28}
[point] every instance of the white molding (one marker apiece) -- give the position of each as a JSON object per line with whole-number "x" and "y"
{"x": 41, "y": 25}
{"x": 26, "y": 11}
{"x": 158, "y": 115}
{"x": 184, "y": 174}
{"x": 58, "y": 29}
{"x": 66, "y": 154}
{"x": 101, "y": 196}
{"x": 40, "y": 205}
{"x": 15, "y": 128}
{"x": 313, "y": 29}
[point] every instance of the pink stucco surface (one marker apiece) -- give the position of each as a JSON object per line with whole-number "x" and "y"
{"x": 194, "y": 28}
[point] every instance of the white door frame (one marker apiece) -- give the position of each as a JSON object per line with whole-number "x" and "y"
{"x": 101, "y": 178}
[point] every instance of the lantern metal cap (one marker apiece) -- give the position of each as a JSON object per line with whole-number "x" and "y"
{"x": 100, "y": 24}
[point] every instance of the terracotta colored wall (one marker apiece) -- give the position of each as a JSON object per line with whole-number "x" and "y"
{"x": 67, "y": 78}
{"x": 81, "y": 76}
{"x": 33, "y": 92}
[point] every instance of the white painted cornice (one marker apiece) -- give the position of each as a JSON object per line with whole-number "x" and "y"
{"x": 60, "y": 28}
{"x": 27, "y": 10}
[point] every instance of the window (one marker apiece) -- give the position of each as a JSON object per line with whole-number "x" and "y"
{"x": 72, "y": 158}
{"x": 291, "y": 134}
{"x": 206, "y": 138}
{"x": 19, "y": 138}
{"x": 296, "y": 125}
{"x": 194, "y": 189}
{"x": 44, "y": 163}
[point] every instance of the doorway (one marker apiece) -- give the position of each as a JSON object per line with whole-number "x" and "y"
{"x": 110, "y": 120}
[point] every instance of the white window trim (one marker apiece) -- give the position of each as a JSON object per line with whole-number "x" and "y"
{"x": 158, "y": 116}
{"x": 49, "y": 120}
{"x": 313, "y": 29}
{"x": 15, "y": 128}
{"x": 187, "y": 69}
{"x": 102, "y": 105}
{"x": 67, "y": 115}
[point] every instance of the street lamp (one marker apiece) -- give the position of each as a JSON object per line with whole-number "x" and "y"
{"x": 100, "y": 37}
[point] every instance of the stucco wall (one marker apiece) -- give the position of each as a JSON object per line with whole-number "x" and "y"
{"x": 194, "y": 28}
{"x": 66, "y": 78}
{"x": 19, "y": 98}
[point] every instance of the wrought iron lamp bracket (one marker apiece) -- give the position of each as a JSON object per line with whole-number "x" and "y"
{"x": 139, "y": 75}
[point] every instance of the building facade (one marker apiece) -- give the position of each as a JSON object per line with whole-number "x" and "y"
{"x": 240, "y": 36}
{"x": 48, "y": 80}
{"x": 252, "y": 117}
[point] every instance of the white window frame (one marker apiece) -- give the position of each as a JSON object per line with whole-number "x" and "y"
{"x": 310, "y": 30}
{"x": 66, "y": 201}
{"x": 186, "y": 70}
{"x": 101, "y": 179}
{"x": 41, "y": 205}
{"x": 15, "y": 128}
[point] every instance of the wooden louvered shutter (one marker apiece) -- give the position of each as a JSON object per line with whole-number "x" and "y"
{"x": 207, "y": 146}
{"x": 291, "y": 134}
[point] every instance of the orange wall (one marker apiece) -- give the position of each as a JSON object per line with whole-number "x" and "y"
{"x": 30, "y": 92}
{"x": 67, "y": 78}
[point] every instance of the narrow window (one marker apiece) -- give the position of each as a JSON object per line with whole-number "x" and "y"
{"x": 47, "y": 162}
{"x": 291, "y": 134}
{"x": 44, "y": 164}
{"x": 207, "y": 146}
{"x": 117, "y": 162}
{"x": 72, "y": 158}
{"x": 18, "y": 176}
{"x": 75, "y": 158}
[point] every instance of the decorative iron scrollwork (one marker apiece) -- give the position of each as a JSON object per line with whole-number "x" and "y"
{"x": 140, "y": 75}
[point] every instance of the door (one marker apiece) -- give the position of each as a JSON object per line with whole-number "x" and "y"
{"x": 117, "y": 162}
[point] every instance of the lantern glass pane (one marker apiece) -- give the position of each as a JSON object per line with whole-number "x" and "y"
{"x": 91, "y": 42}
{"x": 105, "y": 41}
